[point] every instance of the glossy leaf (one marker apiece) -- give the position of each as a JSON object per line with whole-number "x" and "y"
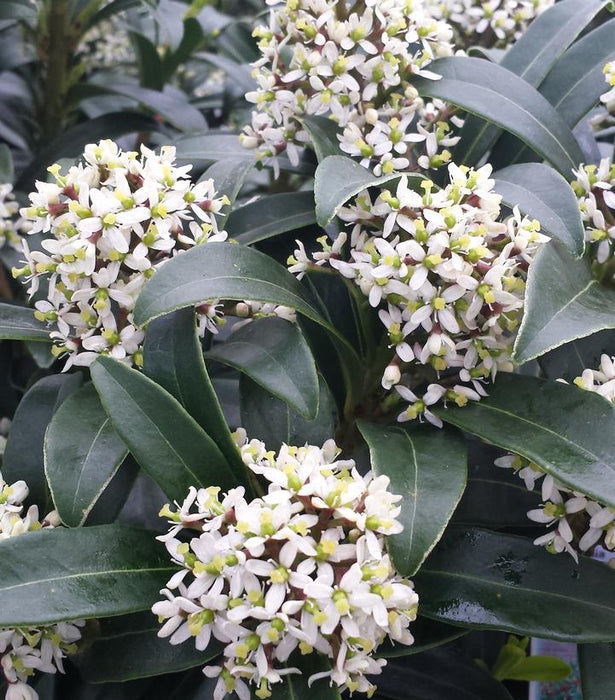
{"x": 596, "y": 664}
{"x": 228, "y": 176}
{"x": 565, "y": 430}
{"x": 173, "y": 358}
{"x": 338, "y": 178}
{"x": 23, "y": 457}
{"x": 428, "y": 634}
{"x": 488, "y": 580}
{"x": 563, "y": 302}
{"x": 268, "y": 419}
{"x": 499, "y": 96}
{"x": 274, "y": 353}
{"x": 82, "y": 454}
{"x": 543, "y": 194}
{"x": 129, "y": 648}
{"x": 18, "y": 323}
{"x": 269, "y": 216}
{"x": 73, "y": 573}
{"x": 428, "y": 468}
{"x": 576, "y": 82}
{"x": 323, "y": 136}
{"x": 170, "y": 446}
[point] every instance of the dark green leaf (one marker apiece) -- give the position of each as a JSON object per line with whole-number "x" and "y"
{"x": 23, "y": 458}
{"x": 270, "y": 216}
{"x": 151, "y": 74}
{"x": 487, "y": 580}
{"x": 173, "y": 358}
{"x": 568, "y": 361}
{"x": 338, "y": 178}
{"x": 268, "y": 419}
{"x": 7, "y": 172}
{"x": 565, "y": 430}
{"x": 596, "y": 663}
{"x": 545, "y": 195}
{"x": 190, "y": 42}
{"x": 228, "y": 176}
{"x": 113, "y": 8}
{"x": 129, "y": 648}
{"x": 427, "y": 634}
{"x": 67, "y": 574}
{"x": 82, "y": 454}
{"x": 323, "y": 136}
{"x": 18, "y": 323}
{"x": 499, "y": 96}
{"x": 274, "y": 353}
{"x": 295, "y": 687}
{"x": 169, "y": 445}
{"x": 428, "y": 468}
{"x": 17, "y": 9}
{"x": 563, "y": 302}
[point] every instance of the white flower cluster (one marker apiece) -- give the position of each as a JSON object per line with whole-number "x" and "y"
{"x": 595, "y": 190}
{"x": 488, "y": 23}
{"x": 304, "y": 566}
{"x": 609, "y": 97}
{"x": 448, "y": 276}
{"x": 354, "y": 63}
{"x": 106, "y": 45}
{"x": 11, "y": 227}
{"x": 25, "y": 650}
{"x": 576, "y": 521}
{"x": 110, "y": 222}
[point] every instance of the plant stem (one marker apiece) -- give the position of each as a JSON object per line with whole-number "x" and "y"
{"x": 56, "y": 49}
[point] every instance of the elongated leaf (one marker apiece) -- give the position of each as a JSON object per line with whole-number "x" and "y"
{"x": 563, "y": 302}
{"x": 16, "y": 9}
{"x": 268, "y": 419}
{"x": 428, "y": 634}
{"x": 530, "y": 57}
{"x": 228, "y": 176}
{"x": 323, "y": 135}
{"x": 18, "y": 323}
{"x": 129, "y": 648}
{"x": 270, "y": 216}
{"x": 240, "y": 74}
{"x": 499, "y": 96}
{"x": 111, "y": 9}
{"x": 151, "y": 73}
{"x": 565, "y": 430}
{"x": 173, "y": 358}
{"x": 23, "y": 457}
{"x": 67, "y": 574}
{"x": 486, "y": 580}
{"x": 168, "y": 444}
{"x": 428, "y": 468}
{"x": 338, "y": 178}
{"x": 82, "y": 454}
{"x": 220, "y": 271}
{"x": 7, "y": 171}
{"x": 274, "y": 353}
{"x": 596, "y": 663}
{"x": 576, "y": 82}
{"x": 295, "y": 686}
{"x": 541, "y": 193}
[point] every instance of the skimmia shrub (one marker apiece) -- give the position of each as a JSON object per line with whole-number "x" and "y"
{"x": 307, "y": 347}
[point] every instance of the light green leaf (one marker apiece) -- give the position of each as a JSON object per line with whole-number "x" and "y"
{"x": 271, "y": 215}
{"x": 429, "y": 469}
{"x": 543, "y": 194}
{"x": 338, "y": 178}
{"x": 82, "y": 454}
{"x": 173, "y": 357}
{"x": 565, "y": 430}
{"x": 596, "y": 664}
{"x": 69, "y": 574}
{"x": 274, "y": 353}
{"x": 323, "y": 136}
{"x": 18, "y": 323}
{"x": 563, "y": 302}
{"x": 501, "y": 97}
{"x": 170, "y": 446}
{"x": 488, "y": 580}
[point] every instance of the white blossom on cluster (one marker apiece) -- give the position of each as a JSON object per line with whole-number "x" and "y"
{"x": 447, "y": 274}
{"x": 26, "y": 650}
{"x": 106, "y": 45}
{"x": 302, "y": 568}
{"x": 354, "y": 63}
{"x": 595, "y": 190}
{"x": 576, "y": 522}
{"x": 5, "y": 426}
{"x": 109, "y": 223}
{"x": 11, "y": 226}
{"x": 608, "y": 98}
{"x": 487, "y": 22}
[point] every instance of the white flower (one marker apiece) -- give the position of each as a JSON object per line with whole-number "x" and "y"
{"x": 301, "y": 566}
